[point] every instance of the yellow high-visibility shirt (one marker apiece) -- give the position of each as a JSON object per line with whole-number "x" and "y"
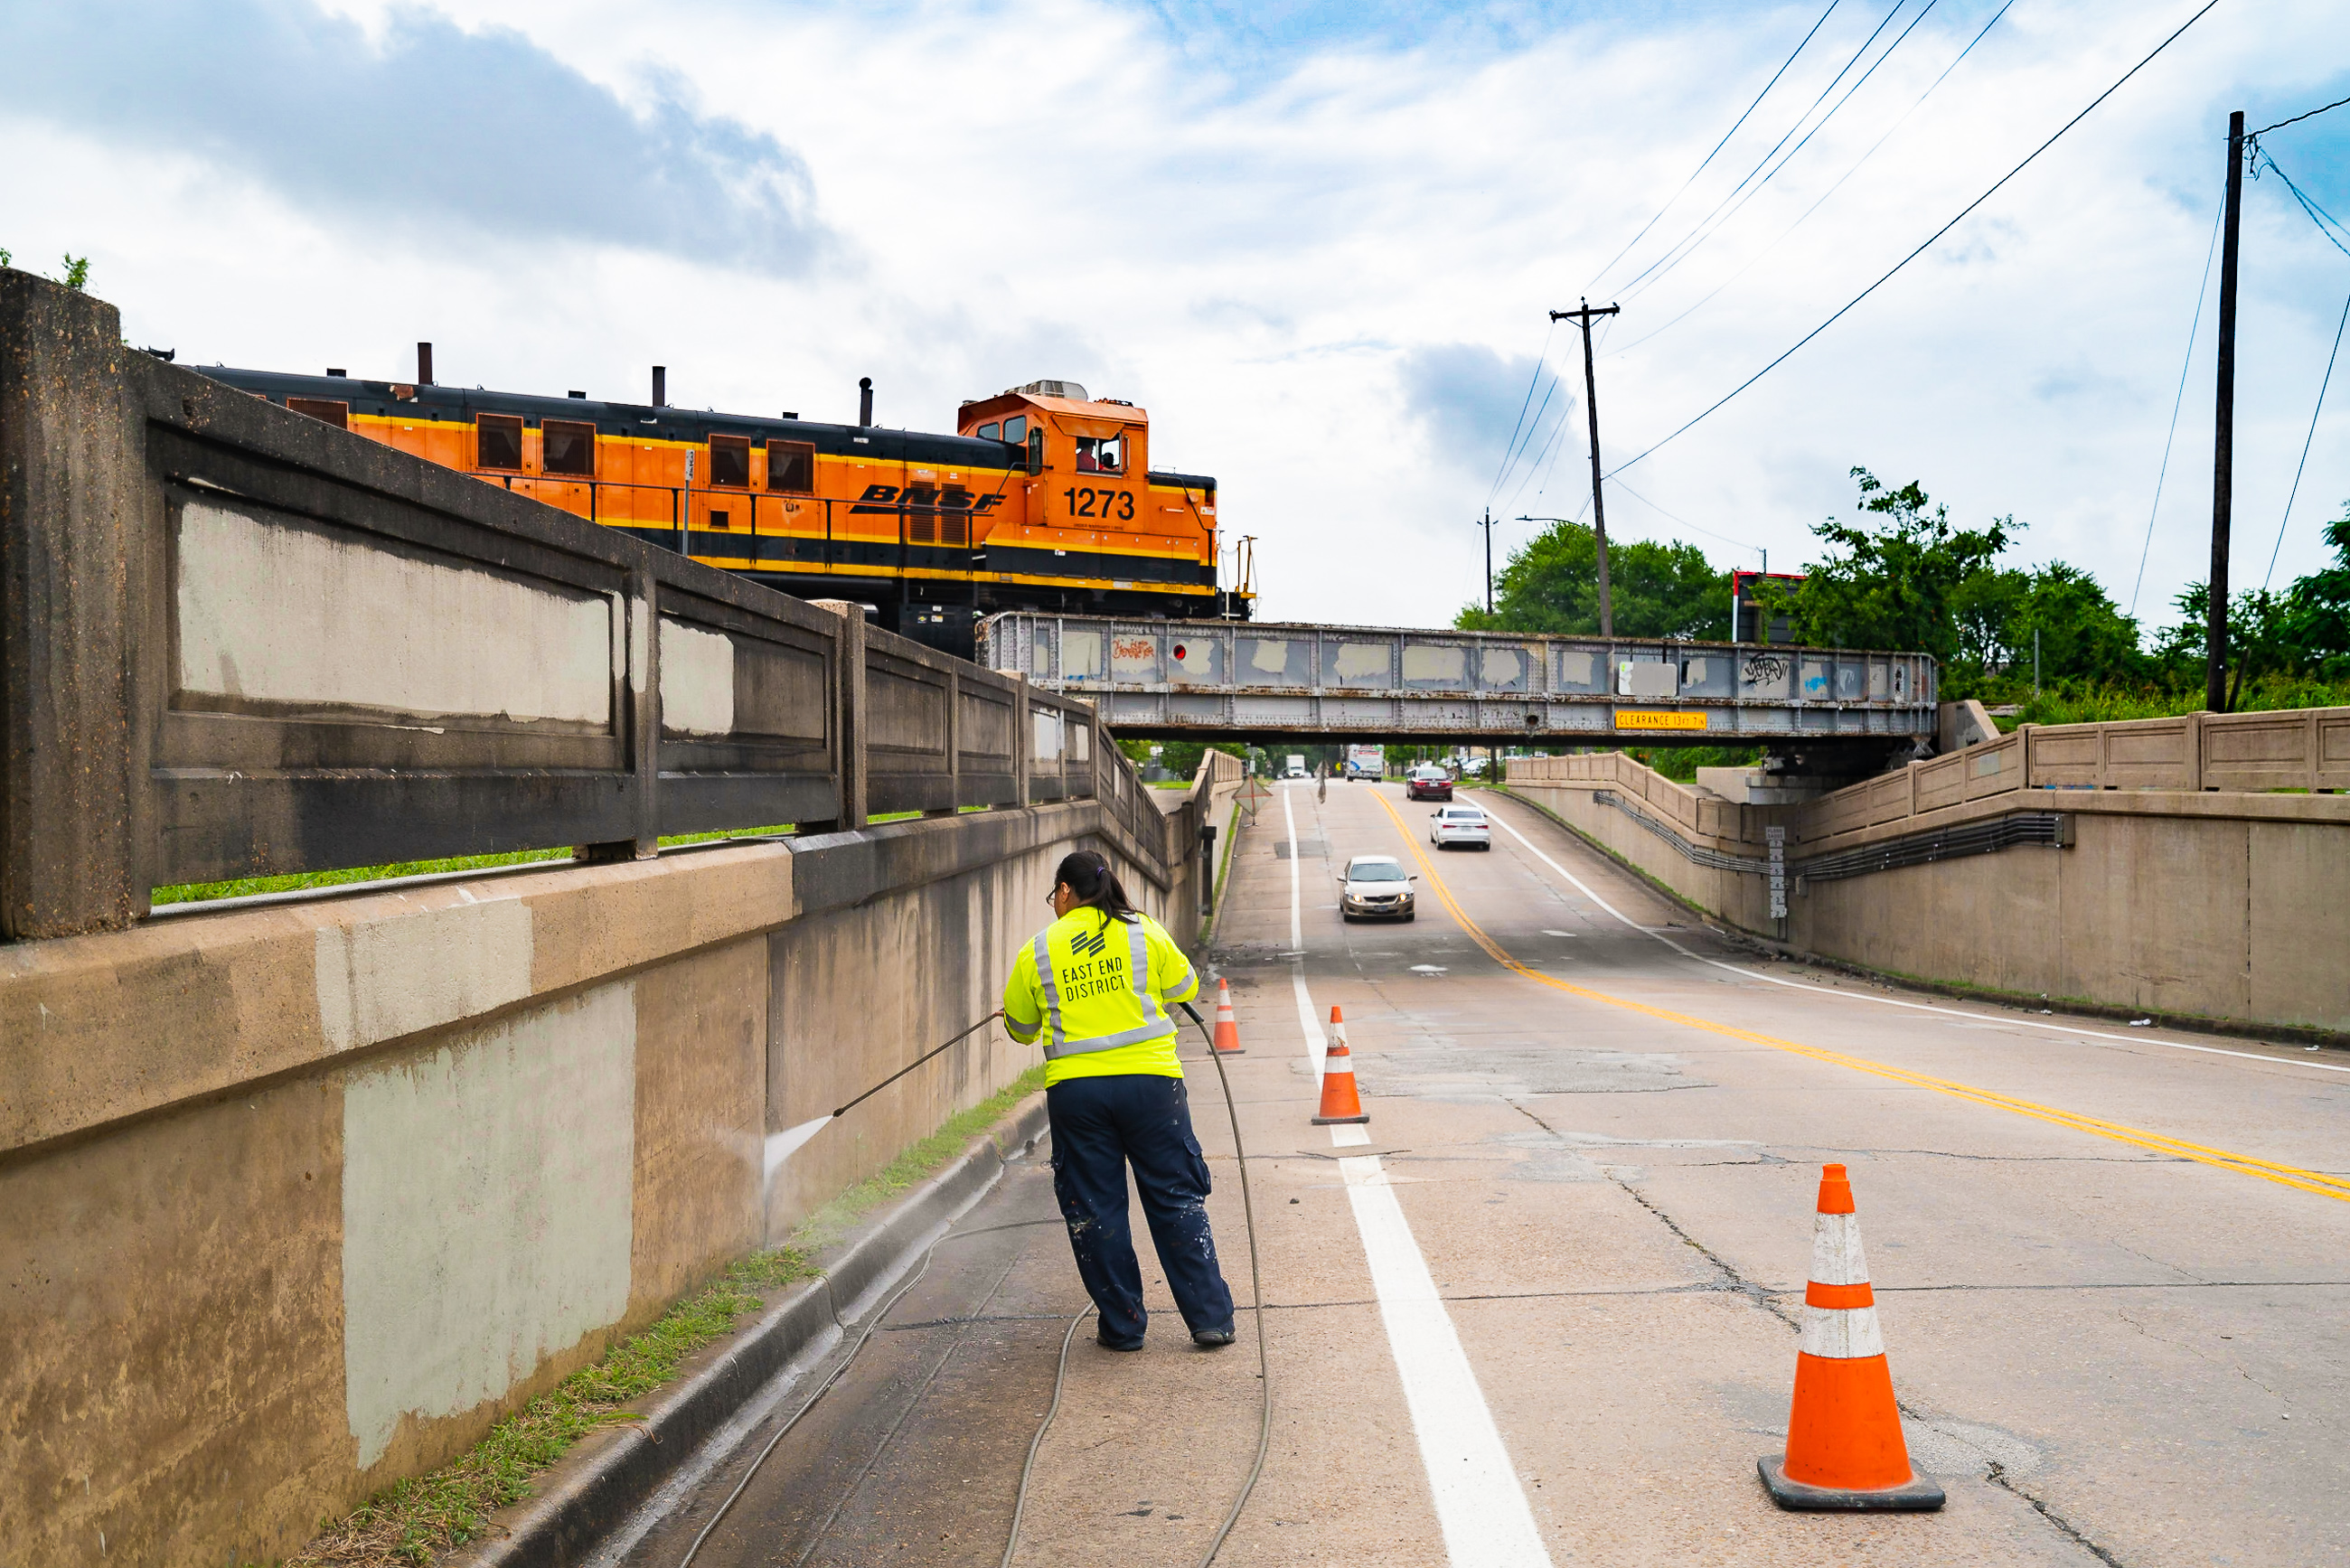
{"x": 1098, "y": 991}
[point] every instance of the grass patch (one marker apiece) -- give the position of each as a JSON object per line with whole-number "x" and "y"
{"x": 415, "y": 1520}
{"x": 299, "y": 881}
{"x": 2110, "y": 704}
{"x": 829, "y": 1224}
{"x": 242, "y": 887}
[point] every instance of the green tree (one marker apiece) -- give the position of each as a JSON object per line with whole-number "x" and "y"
{"x": 2316, "y": 614}
{"x": 1897, "y": 583}
{"x": 1550, "y": 584}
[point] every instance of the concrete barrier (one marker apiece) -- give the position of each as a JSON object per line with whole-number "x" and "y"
{"x": 2170, "y": 866}
{"x": 304, "y": 1197}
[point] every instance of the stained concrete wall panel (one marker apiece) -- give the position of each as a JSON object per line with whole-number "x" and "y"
{"x": 420, "y": 968}
{"x": 278, "y": 611}
{"x": 171, "y": 1303}
{"x": 697, "y": 680}
{"x": 487, "y": 1217}
{"x": 596, "y": 920}
{"x": 1995, "y": 919}
{"x": 701, "y": 1107}
{"x": 2156, "y": 913}
{"x": 2300, "y": 926}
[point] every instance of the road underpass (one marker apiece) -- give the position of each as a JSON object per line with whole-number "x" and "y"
{"x": 1600, "y": 1125}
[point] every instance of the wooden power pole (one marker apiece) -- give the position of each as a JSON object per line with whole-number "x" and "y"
{"x": 2223, "y": 438}
{"x": 1582, "y": 319}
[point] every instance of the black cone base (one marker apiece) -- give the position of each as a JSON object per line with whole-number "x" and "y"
{"x": 1918, "y": 1496}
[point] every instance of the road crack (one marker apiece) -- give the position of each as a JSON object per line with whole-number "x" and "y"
{"x": 1996, "y": 1473}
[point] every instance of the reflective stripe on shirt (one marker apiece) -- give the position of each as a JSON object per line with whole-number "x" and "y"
{"x": 1054, "y": 1037}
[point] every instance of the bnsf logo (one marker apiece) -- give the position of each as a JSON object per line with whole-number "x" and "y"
{"x": 925, "y": 497}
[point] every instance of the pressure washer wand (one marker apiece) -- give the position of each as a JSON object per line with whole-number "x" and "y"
{"x": 918, "y": 1062}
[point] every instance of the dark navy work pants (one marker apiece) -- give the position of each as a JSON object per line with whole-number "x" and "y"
{"x": 1101, "y": 1126}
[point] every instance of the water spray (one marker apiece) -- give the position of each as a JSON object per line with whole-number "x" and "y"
{"x": 783, "y": 1145}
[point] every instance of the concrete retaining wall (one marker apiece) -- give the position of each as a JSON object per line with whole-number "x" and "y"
{"x": 302, "y": 1197}
{"x": 2229, "y": 906}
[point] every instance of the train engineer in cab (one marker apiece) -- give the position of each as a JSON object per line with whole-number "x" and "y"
{"x": 1096, "y": 985}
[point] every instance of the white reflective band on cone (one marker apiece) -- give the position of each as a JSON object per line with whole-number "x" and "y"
{"x": 1836, "y": 1250}
{"x": 1841, "y": 1334}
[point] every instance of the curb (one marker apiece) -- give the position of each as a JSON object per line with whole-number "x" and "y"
{"x": 608, "y": 1474}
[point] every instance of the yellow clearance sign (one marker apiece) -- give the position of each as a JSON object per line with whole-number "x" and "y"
{"x": 1633, "y": 719}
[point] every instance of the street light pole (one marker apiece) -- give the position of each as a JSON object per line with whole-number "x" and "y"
{"x": 1582, "y": 319}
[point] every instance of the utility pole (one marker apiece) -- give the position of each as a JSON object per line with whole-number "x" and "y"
{"x": 1582, "y": 319}
{"x": 1487, "y": 526}
{"x": 2223, "y": 436}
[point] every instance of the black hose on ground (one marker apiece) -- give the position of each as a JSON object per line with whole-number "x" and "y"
{"x": 1263, "y": 1367}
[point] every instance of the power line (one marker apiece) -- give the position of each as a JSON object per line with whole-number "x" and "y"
{"x": 1690, "y": 242}
{"x": 2312, "y": 436}
{"x": 2297, "y": 119}
{"x": 1510, "y": 459}
{"x": 1832, "y": 189}
{"x": 2326, "y": 221}
{"x": 1539, "y": 360}
{"x": 1679, "y": 519}
{"x": 2208, "y": 7}
{"x": 2194, "y": 325}
{"x": 1718, "y": 146}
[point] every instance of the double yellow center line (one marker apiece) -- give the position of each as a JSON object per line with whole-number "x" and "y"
{"x": 2158, "y": 1143}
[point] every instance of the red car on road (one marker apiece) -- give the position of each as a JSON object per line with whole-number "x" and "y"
{"x": 1427, "y": 782}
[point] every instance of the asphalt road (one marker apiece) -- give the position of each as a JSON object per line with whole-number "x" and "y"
{"x": 1545, "y": 1312}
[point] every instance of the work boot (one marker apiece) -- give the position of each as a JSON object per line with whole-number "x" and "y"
{"x": 1109, "y": 1344}
{"x": 1211, "y": 1338}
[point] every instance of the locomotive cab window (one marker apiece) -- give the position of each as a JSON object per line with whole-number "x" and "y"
{"x": 1102, "y": 454}
{"x": 989, "y": 431}
{"x": 791, "y": 466}
{"x": 332, "y": 411}
{"x": 497, "y": 441}
{"x": 730, "y": 460}
{"x": 1016, "y": 430}
{"x": 569, "y": 446}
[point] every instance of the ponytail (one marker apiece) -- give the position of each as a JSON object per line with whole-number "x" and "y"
{"x": 1086, "y": 873}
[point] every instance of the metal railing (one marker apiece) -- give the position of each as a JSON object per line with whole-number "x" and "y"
{"x": 240, "y": 642}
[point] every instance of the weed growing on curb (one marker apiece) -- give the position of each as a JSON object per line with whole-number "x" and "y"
{"x": 415, "y": 1520}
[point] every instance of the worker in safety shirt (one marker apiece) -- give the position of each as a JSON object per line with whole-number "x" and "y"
{"x": 1097, "y": 984}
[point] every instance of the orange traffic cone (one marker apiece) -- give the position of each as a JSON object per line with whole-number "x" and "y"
{"x": 1228, "y": 1028}
{"x": 1843, "y": 1434}
{"x": 1339, "y": 1101}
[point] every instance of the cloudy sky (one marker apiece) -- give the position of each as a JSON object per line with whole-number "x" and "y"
{"x": 1317, "y": 241}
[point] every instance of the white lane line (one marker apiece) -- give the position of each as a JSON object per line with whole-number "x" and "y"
{"x": 1315, "y": 1043}
{"x": 1480, "y": 1505}
{"x": 1743, "y": 973}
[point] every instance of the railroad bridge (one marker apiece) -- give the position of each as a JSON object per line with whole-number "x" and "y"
{"x": 1272, "y": 681}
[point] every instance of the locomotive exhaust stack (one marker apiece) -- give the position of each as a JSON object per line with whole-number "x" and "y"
{"x": 661, "y": 386}
{"x": 864, "y": 401}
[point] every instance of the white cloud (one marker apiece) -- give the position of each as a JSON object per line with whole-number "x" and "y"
{"x": 1273, "y": 252}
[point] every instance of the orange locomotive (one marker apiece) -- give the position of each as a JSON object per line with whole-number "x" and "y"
{"x": 1043, "y": 499}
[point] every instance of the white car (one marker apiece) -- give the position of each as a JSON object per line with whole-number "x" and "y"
{"x": 1460, "y": 824}
{"x": 1375, "y": 885}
